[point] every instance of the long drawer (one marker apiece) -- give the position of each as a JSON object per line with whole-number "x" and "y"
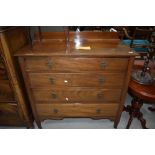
{"x": 104, "y": 80}
{"x": 76, "y": 110}
{"x": 74, "y": 95}
{"x": 65, "y": 64}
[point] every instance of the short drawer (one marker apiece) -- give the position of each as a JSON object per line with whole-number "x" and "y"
{"x": 65, "y": 64}
{"x": 104, "y": 80}
{"x": 76, "y": 95}
{"x": 76, "y": 110}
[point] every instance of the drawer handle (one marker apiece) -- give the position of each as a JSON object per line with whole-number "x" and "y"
{"x": 98, "y": 111}
{"x": 54, "y": 96}
{"x": 101, "y": 80}
{"x": 103, "y": 65}
{"x": 100, "y": 96}
{"x": 49, "y": 63}
{"x": 55, "y": 111}
{"x": 51, "y": 80}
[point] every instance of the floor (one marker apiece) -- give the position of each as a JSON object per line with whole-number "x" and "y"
{"x": 85, "y": 123}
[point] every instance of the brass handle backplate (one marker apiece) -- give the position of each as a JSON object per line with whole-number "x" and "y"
{"x": 101, "y": 80}
{"x": 54, "y": 96}
{"x": 55, "y": 111}
{"x": 103, "y": 65}
{"x": 49, "y": 63}
{"x": 98, "y": 111}
{"x": 51, "y": 80}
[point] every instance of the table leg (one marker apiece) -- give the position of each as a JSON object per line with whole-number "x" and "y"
{"x": 129, "y": 121}
{"x": 134, "y": 111}
{"x": 142, "y": 120}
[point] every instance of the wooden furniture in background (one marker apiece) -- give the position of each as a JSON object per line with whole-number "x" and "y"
{"x": 14, "y": 106}
{"x": 141, "y": 94}
{"x": 63, "y": 80}
{"x": 140, "y": 39}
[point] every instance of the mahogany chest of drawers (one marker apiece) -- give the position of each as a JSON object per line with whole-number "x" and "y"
{"x": 64, "y": 79}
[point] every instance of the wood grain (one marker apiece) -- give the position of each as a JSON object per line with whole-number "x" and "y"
{"x": 61, "y": 64}
{"x": 8, "y": 109}
{"x": 76, "y": 110}
{"x": 77, "y": 95}
{"x": 6, "y": 92}
{"x": 103, "y": 80}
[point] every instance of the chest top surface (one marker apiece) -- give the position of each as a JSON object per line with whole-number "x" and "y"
{"x": 105, "y": 44}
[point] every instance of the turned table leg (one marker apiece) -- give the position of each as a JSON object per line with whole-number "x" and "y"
{"x": 129, "y": 121}
{"x": 134, "y": 111}
{"x": 142, "y": 120}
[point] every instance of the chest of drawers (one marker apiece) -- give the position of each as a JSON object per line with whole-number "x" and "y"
{"x": 14, "y": 106}
{"x": 63, "y": 81}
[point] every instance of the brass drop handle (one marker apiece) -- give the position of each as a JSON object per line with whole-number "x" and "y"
{"x": 98, "y": 111}
{"x": 54, "y": 96}
{"x": 103, "y": 65}
{"x": 101, "y": 80}
{"x": 49, "y": 63}
{"x": 100, "y": 96}
{"x": 51, "y": 80}
{"x": 55, "y": 111}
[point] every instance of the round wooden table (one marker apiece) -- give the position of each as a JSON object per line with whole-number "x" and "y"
{"x": 141, "y": 94}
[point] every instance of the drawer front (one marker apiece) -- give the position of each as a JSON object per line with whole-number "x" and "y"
{"x": 76, "y": 110}
{"x": 105, "y": 80}
{"x": 8, "y": 109}
{"x": 3, "y": 72}
{"x": 6, "y": 93}
{"x": 74, "y": 95}
{"x": 63, "y": 64}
